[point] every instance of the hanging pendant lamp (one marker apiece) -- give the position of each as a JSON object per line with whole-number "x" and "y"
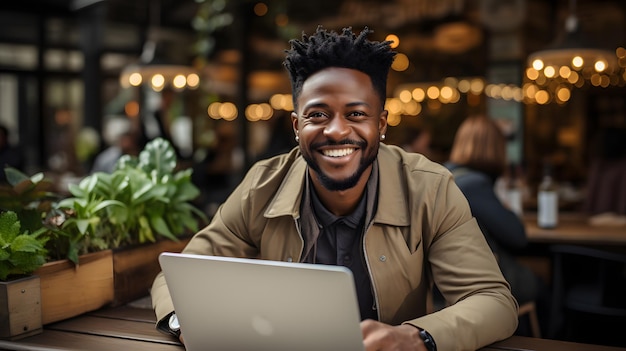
{"x": 569, "y": 61}
{"x": 153, "y": 68}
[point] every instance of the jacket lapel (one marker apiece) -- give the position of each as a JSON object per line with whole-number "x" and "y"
{"x": 287, "y": 200}
{"x": 393, "y": 208}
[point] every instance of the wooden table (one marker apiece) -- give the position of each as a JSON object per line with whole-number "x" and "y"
{"x": 121, "y": 328}
{"x": 574, "y": 229}
{"x": 132, "y": 329}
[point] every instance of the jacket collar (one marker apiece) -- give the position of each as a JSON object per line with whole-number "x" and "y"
{"x": 393, "y": 208}
{"x": 287, "y": 200}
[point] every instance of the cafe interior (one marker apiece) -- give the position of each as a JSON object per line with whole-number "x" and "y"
{"x": 208, "y": 76}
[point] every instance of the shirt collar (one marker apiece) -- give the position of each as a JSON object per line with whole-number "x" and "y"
{"x": 326, "y": 218}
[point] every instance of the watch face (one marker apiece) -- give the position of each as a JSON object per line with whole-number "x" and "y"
{"x": 173, "y": 322}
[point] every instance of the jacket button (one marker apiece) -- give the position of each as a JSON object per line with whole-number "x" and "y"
{"x": 382, "y": 258}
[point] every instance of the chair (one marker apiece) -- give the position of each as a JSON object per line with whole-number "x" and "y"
{"x": 587, "y": 282}
{"x": 530, "y": 309}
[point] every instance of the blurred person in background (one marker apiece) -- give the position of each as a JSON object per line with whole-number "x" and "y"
{"x": 159, "y": 123}
{"x": 218, "y": 171}
{"x": 127, "y": 143}
{"x": 477, "y": 160}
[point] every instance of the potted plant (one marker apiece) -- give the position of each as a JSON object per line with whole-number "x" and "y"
{"x": 65, "y": 290}
{"x": 21, "y": 253}
{"x": 144, "y": 200}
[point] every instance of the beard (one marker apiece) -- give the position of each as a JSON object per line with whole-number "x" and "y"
{"x": 349, "y": 182}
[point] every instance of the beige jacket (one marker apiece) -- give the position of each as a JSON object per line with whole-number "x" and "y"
{"x": 422, "y": 232}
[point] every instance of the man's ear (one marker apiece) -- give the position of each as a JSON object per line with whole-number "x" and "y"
{"x": 294, "y": 122}
{"x": 382, "y": 122}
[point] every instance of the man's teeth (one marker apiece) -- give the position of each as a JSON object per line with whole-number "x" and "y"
{"x": 338, "y": 152}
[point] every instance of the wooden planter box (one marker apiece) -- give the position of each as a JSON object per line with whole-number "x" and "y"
{"x": 20, "y": 308}
{"x": 68, "y": 291}
{"x": 105, "y": 278}
{"x": 134, "y": 268}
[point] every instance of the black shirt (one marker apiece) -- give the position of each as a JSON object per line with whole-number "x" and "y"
{"x": 341, "y": 243}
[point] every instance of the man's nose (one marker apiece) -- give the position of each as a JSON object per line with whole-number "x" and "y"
{"x": 338, "y": 128}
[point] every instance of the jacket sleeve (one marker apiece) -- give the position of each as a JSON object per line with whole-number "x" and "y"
{"x": 481, "y": 307}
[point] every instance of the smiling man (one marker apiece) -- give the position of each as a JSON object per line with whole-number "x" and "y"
{"x": 395, "y": 219}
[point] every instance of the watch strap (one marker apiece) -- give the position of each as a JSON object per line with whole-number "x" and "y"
{"x": 428, "y": 340}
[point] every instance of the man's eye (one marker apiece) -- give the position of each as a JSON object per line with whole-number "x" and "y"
{"x": 315, "y": 115}
{"x": 357, "y": 114}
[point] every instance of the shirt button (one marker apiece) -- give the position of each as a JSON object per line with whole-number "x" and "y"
{"x": 289, "y": 259}
{"x": 382, "y": 258}
{"x": 347, "y": 260}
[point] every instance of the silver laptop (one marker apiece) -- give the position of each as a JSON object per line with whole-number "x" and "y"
{"x": 245, "y": 304}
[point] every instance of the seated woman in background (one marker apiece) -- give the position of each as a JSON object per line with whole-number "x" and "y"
{"x": 477, "y": 159}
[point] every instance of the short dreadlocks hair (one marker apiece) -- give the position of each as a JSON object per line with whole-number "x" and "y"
{"x": 326, "y": 49}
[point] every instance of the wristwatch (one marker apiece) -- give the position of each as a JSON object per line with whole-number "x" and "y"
{"x": 173, "y": 324}
{"x": 428, "y": 340}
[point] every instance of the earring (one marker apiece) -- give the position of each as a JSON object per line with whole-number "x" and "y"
{"x": 297, "y": 139}
{"x": 382, "y": 137}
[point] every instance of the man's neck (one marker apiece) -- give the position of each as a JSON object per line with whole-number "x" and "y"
{"x": 342, "y": 202}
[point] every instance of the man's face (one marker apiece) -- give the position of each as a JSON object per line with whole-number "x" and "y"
{"x": 339, "y": 121}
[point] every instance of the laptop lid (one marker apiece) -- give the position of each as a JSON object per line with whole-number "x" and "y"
{"x": 225, "y": 303}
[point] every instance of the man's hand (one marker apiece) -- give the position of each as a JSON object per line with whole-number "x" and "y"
{"x": 378, "y": 336}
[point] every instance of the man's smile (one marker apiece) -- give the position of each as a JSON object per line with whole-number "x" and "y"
{"x": 338, "y": 152}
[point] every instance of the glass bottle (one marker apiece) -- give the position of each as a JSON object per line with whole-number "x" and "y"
{"x": 547, "y": 201}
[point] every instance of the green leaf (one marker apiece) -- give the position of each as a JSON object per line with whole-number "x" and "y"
{"x": 36, "y": 178}
{"x": 145, "y": 231}
{"x": 158, "y": 223}
{"x": 39, "y": 232}
{"x": 26, "y": 262}
{"x": 26, "y": 243}
{"x": 83, "y": 224}
{"x": 118, "y": 214}
{"x": 158, "y": 156}
{"x": 9, "y": 227}
{"x": 76, "y": 190}
{"x": 21, "y": 253}
{"x": 126, "y": 162}
{"x": 89, "y": 183}
{"x": 107, "y": 203}
{"x": 147, "y": 191}
{"x": 72, "y": 252}
{"x": 14, "y": 176}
